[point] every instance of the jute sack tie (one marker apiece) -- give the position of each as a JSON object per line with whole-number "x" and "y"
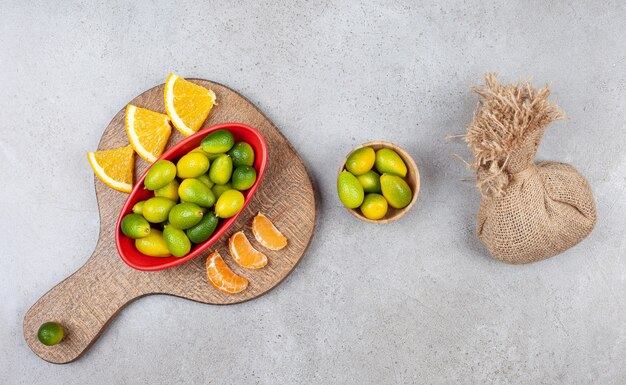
{"x": 528, "y": 212}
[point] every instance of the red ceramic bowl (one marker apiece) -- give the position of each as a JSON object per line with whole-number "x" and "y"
{"x": 126, "y": 246}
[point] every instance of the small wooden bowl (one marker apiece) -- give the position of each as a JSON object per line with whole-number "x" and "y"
{"x": 412, "y": 178}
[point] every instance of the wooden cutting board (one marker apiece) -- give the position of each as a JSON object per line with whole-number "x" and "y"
{"x": 88, "y": 299}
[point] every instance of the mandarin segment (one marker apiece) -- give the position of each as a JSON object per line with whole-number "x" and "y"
{"x": 148, "y": 132}
{"x": 267, "y": 234}
{"x": 244, "y": 253}
{"x": 187, "y": 104}
{"x": 222, "y": 277}
{"x": 114, "y": 167}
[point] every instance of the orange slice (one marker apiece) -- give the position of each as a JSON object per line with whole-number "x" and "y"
{"x": 222, "y": 277}
{"x": 114, "y": 167}
{"x": 187, "y": 104}
{"x": 244, "y": 254}
{"x": 147, "y": 131}
{"x": 267, "y": 234}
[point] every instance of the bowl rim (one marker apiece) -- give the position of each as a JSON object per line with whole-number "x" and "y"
{"x": 407, "y": 158}
{"x": 170, "y": 153}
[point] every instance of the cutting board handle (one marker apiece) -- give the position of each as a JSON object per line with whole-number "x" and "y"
{"x": 83, "y": 303}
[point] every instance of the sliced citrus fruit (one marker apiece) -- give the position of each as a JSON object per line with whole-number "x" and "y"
{"x": 114, "y": 167}
{"x": 222, "y": 277}
{"x": 267, "y": 234}
{"x": 187, "y": 104}
{"x": 244, "y": 253}
{"x": 147, "y": 131}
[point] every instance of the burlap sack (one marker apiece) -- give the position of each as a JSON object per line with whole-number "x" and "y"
{"x": 528, "y": 211}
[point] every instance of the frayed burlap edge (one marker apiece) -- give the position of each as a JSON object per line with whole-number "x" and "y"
{"x": 506, "y": 115}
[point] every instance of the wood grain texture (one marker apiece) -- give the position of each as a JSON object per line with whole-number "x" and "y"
{"x": 87, "y": 300}
{"x": 412, "y": 179}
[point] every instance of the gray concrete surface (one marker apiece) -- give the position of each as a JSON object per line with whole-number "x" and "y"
{"x": 418, "y": 301}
